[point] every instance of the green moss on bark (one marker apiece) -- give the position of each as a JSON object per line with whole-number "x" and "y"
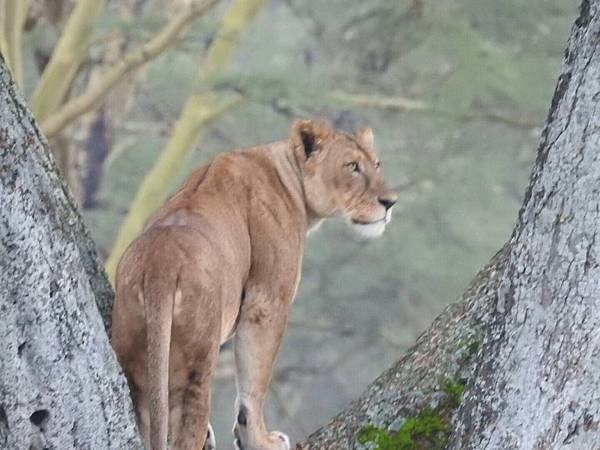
{"x": 428, "y": 429}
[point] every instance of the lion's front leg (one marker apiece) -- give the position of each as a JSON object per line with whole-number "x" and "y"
{"x": 257, "y": 341}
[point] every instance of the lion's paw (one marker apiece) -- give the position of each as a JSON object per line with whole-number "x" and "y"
{"x": 211, "y": 442}
{"x": 281, "y": 437}
{"x": 275, "y": 441}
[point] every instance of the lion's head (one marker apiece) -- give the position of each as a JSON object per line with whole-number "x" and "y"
{"x": 342, "y": 177}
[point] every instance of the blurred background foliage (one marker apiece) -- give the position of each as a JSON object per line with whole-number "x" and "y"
{"x": 456, "y": 92}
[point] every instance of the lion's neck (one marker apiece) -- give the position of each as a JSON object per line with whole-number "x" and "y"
{"x": 290, "y": 173}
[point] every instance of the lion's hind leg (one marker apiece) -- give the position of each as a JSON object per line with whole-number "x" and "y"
{"x": 194, "y": 432}
{"x": 175, "y": 418}
{"x": 195, "y": 349}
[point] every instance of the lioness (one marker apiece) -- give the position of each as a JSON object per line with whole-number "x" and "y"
{"x": 222, "y": 258}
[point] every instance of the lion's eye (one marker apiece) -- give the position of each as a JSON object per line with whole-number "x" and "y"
{"x": 377, "y": 165}
{"x": 354, "y": 166}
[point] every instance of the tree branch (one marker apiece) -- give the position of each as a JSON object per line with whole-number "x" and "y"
{"x": 514, "y": 119}
{"x": 66, "y": 58}
{"x": 12, "y": 19}
{"x": 132, "y": 61}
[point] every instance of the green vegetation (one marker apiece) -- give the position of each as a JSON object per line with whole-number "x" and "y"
{"x": 454, "y": 391}
{"x": 425, "y": 430}
{"x": 428, "y": 429}
{"x": 473, "y": 347}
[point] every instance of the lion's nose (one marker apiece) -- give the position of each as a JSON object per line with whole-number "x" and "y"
{"x": 387, "y": 202}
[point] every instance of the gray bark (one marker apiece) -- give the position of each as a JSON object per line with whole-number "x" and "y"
{"x": 536, "y": 306}
{"x": 446, "y": 351}
{"x": 60, "y": 384}
{"x": 536, "y": 384}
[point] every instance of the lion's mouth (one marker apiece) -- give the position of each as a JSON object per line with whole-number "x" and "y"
{"x": 364, "y": 222}
{"x": 385, "y": 219}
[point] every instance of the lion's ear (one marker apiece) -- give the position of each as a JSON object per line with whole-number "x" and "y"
{"x": 366, "y": 138}
{"x": 307, "y": 137}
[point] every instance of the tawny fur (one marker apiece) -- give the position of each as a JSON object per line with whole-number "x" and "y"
{"x": 222, "y": 259}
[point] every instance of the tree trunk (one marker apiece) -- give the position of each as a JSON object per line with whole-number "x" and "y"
{"x": 443, "y": 357}
{"x": 524, "y": 341}
{"x": 536, "y": 384}
{"x": 60, "y": 384}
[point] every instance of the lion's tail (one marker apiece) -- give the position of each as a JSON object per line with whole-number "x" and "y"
{"x": 159, "y": 295}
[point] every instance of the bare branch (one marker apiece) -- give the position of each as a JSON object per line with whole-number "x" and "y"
{"x": 132, "y": 61}
{"x": 66, "y": 58}
{"x": 517, "y": 119}
{"x": 12, "y": 20}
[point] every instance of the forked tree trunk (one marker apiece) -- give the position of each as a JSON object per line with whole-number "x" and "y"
{"x": 524, "y": 341}
{"x": 524, "y": 338}
{"x": 60, "y": 384}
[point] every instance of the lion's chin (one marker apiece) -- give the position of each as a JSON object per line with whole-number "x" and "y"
{"x": 369, "y": 230}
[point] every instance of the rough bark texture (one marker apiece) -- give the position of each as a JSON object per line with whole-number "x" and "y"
{"x": 535, "y": 308}
{"x": 60, "y": 384}
{"x": 536, "y": 384}
{"x": 445, "y": 352}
